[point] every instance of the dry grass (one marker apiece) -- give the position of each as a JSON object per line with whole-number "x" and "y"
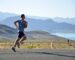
{"x": 39, "y": 45}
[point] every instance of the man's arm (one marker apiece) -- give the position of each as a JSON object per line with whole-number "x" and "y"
{"x": 15, "y": 23}
{"x": 25, "y": 23}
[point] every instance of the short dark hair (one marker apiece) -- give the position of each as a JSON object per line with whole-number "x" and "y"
{"x": 22, "y": 15}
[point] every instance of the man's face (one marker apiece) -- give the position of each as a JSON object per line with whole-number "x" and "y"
{"x": 23, "y": 17}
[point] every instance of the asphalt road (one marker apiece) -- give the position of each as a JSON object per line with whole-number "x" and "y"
{"x": 37, "y": 54}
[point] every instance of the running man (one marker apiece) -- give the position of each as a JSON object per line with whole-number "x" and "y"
{"x": 20, "y": 25}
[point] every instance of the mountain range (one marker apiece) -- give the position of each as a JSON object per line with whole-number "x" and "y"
{"x": 67, "y": 20}
{"x": 4, "y": 15}
{"x": 51, "y": 25}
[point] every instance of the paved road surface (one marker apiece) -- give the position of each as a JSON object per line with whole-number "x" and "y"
{"x": 37, "y": 54}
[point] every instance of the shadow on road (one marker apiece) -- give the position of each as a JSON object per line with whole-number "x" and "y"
{"x": 47, "y": 53}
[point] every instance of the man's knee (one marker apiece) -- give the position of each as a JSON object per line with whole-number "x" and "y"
{"x": 24, "y": 38}
{"x": 17, "y": 41}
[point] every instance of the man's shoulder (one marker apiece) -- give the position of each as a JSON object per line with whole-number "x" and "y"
{"x": 18, "y": 20}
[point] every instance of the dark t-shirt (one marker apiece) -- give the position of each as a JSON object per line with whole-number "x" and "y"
{"x": 20, "y": 26}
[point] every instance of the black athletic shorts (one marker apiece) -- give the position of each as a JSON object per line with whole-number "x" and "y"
{"x": 21, "y": 34}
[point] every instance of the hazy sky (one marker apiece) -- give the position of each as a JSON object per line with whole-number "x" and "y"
{"x": 44, "y": 8}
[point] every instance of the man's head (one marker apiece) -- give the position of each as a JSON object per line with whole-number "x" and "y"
{"x": 22, "y": 16}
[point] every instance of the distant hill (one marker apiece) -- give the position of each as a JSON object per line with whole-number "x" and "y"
{"x": 8, "y": 33}
{"x": 48, "y": 25}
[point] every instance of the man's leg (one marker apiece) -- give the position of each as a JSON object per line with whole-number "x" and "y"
{"x": 23, "y": 39}
{"x": 16, "y": 44}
